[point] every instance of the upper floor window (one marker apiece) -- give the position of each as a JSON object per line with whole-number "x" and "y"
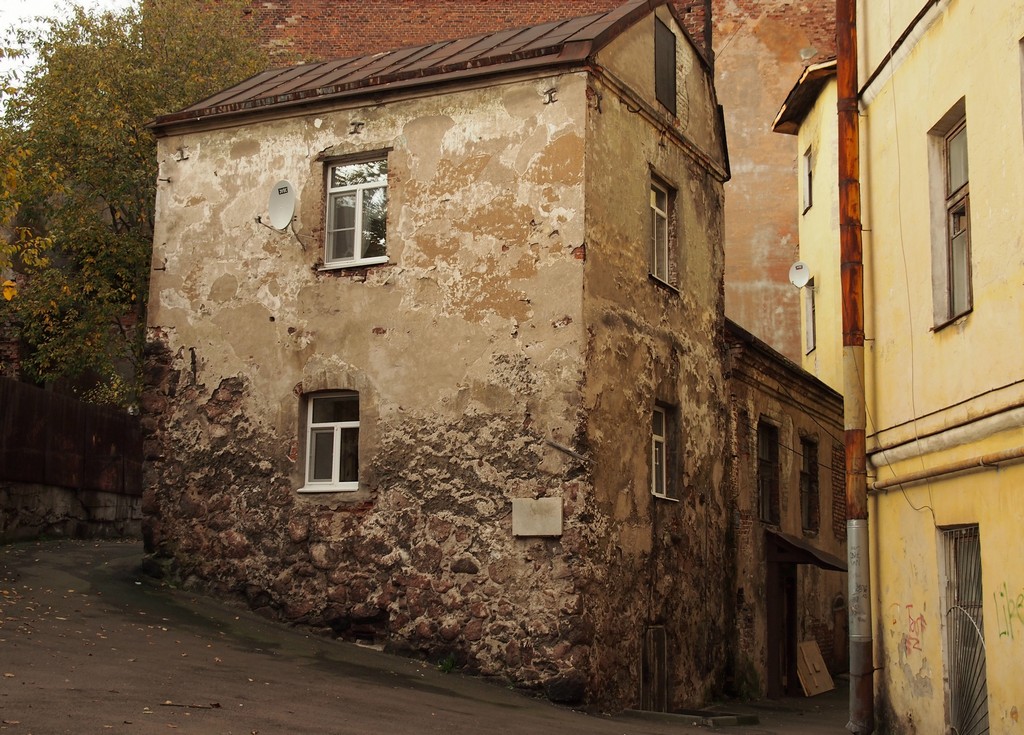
{"x": 663, "y": 232}
{"x": 958, "y": 222}
{"x": 665, "y": 65}
{"x": 332, "y": 442}
{"x": 810, "y": 325}
{"x": 807, "y": 179}
{"x": 768, "y": 472}
{"x": 663, "y": 475}
{"x": 357, "y": 202}
{"x": 951, "y": 216}
{"x": 809, "y": 503}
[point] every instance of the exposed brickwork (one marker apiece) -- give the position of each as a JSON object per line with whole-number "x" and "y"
{"x": 319, "y": 30}
{"x": 761, "y": 46}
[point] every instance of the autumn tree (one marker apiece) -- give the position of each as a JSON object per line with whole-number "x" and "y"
{"x": 78, "y": 174}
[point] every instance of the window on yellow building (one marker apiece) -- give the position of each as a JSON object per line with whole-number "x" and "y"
{"x": 951, "y": 217}
{"x": 810, "y": 327}
{"x": 807, "y": 179}
{"x": 958, "y": 223}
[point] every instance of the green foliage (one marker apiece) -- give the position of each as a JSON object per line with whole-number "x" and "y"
{"x": 78, "y": 173}
{"x": 448, "y": 664}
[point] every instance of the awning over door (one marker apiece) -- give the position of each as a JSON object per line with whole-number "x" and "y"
{"x": 781, "y": 547}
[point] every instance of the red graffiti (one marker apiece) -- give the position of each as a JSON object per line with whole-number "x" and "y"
{"x": 915, "y": 626}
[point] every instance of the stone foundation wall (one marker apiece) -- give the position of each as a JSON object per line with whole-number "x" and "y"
{"x": 427, "y": 565}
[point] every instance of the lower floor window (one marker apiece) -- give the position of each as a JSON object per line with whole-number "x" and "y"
{"x": 332, "y": 442}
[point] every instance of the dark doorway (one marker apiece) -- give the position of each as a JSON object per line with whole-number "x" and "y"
{"x": 782, "y": 555}
{"x": 782, "y": 630}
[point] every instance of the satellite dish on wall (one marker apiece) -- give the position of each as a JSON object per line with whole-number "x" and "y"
{"x": 799, "y": 274}
{"x": 282, "y": 204}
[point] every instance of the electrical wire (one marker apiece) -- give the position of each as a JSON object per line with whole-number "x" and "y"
{"x": 906, "y": 290}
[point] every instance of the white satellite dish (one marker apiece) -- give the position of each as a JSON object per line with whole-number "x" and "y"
{"x": 282, "y": 204}
{"x": 799, "y": 274}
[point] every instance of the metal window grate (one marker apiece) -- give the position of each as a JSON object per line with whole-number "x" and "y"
{"x": 965, "y": 638}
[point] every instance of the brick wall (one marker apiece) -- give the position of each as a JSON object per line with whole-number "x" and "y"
{"x": 317, "y": 30}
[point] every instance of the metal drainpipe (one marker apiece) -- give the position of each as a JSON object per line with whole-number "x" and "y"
{"x": 862, "y": 693}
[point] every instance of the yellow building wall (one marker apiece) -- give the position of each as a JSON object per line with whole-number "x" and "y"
{"x": 938, "y": 394}
{"x": 819, "y": 239}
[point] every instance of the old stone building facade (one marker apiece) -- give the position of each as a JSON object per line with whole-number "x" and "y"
{"x": 434, "y": 355}
{"x": 788, "y": 499}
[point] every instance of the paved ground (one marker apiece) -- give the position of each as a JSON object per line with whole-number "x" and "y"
{"x": 87, "y": 645}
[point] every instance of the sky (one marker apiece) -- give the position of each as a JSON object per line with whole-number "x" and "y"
{"x": 19, "y": 13}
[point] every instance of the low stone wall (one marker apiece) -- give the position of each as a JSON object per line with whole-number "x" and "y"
{"x": 28, "y": 511}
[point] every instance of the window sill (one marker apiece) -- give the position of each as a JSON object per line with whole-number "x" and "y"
{"x": 662, "y": 284}
{"x": 952, "y": 320}
{"x": 347, "y": 487}
{"x": 664, "y": 497}
{"x": 354, "y": 264}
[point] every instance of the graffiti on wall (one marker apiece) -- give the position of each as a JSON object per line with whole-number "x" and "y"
{"x": 910, "y": 623}
{"x": 1009, "y": 612}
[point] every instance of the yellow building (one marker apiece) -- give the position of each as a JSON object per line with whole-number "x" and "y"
{"x": 942, "y": 173}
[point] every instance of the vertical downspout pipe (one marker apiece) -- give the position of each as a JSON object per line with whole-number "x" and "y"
{"x": 862, "y": 693}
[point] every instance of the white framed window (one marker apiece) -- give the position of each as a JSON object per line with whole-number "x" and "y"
{"x": 662, "y": 246}
{"x": 357, "y": 204}
{"x": 332, "y": 442}
{"x": 663, "y": 475}
{"x": 807, "y": 179}
{"x": 659, "y": 463}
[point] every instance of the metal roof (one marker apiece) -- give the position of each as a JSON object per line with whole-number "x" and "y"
{"x": 549, "y": 45}
{"x": 802, "y": 97}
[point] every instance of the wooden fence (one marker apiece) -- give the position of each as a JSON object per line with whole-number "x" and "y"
{"x": 54, "y": 440}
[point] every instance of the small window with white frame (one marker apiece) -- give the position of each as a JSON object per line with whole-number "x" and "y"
{"x": 663, "y": 474}
{"x": 663, "y": 232}
{"x": 357, "y": 203}
{"x": 332, "y": 442}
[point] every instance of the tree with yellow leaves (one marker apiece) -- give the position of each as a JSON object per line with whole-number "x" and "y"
{"x": 78, "y": 175}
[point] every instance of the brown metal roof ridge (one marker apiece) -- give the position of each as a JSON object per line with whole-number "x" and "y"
{"x": 548, "y": 45}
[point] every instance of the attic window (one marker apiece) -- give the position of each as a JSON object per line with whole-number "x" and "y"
{"x": 665, "y": 65}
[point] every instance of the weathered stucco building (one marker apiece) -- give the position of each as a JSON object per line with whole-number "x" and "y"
{"x": 759, "y": 45}
{"x": 789, "y": 516}
{"x": 465, "y": 397}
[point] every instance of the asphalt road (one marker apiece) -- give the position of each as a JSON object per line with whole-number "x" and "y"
{"x": 89, "y": 645}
